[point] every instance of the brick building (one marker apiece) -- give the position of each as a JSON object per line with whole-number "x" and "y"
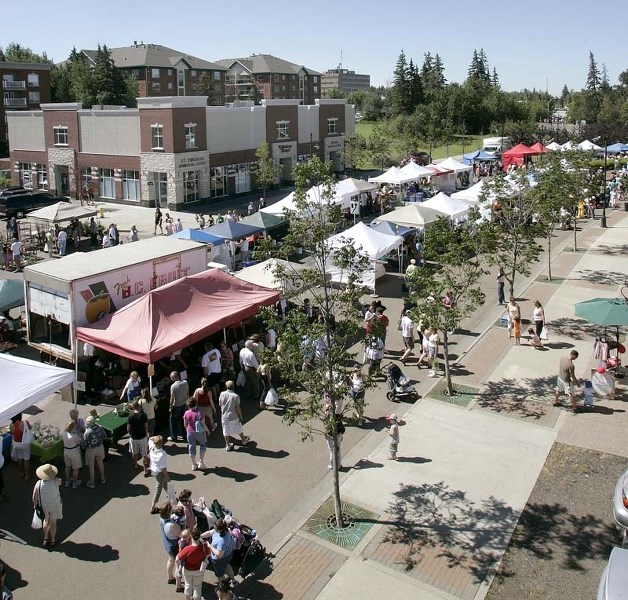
{"x": 170, "y": 151}
{"x": 24, "y": 87}
{"x": 263, "y": 76}
{"x": 162, "y": 71}
{"x": 344, "y": 80}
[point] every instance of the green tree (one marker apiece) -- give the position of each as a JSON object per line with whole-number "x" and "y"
{"x": 110, "y": 85}
{"x": 268, "y": 170}
{"x": 415, "y": 87}
{"x": 334, "y": 93}
{"x": 61, "y": 89}
{"x": 593, "y": 76}
{"x": 315, "y": 357}
{"x": 14, "y": 52}
{"x": 379, "y": 144}
{"x": 454, "y": 258}
{"x": 511, "y": 235}
{"x": 355, "y": 151}
{"x": 401, "y": 93}
{"x": 207, "y": 86}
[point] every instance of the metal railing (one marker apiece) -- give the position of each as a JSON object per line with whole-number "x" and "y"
{"x": 14, "y": 102}
{"x": 13, "y": 85}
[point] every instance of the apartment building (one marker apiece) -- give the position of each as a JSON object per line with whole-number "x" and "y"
{"x": 344, "y": 80}
{"x": 162, "y": 71}
{"x": 266, "y": 77}
{"x": 170, "y": 151}
{"x": 24, "y": 87}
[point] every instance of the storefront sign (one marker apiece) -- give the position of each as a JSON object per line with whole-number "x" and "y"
{"x": 334, "y": 144}
{"x": 284, "y": 149}
{"x": 192, "y": 161}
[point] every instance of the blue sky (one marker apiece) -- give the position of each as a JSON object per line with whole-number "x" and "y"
{"x": 532, "y": 44}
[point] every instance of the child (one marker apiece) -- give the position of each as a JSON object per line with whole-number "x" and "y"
{"x": 393, "y": 436}
{"x": 516, "y": 330}
{"x": 535, "y": 340}
{"x": 587, "y": 391}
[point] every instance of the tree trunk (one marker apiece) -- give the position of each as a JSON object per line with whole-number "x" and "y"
{"x": 450, "y": 387}
{"x": 337, "y": 503}
{"x": 549, "y": 256}
{"x": 575, "y": 233}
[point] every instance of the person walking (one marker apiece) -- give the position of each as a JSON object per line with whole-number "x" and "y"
{"x": 159, "y": 220}
{"x": 137, "y": 428}
{"x": 196, "y": 431}
{"x": 62, "y": 240}
{"x": 516, "y": 330}
{"x": 356, "y": 383}
{"x": 567, "y": 380}
{"x": 179, "y": 394}
{"x": 94, "y": 444}
{"x": 514, "y": 310}
{"x": 93, "y": 233}
{"x": 147, "y": 405}
{"x": 46, "y": 494}
{"x": 21, "y": 445}
{"x": 170, "y": 533}
{"x": 393, "y": 436}
{"x": 158, "y": 461}
{"x": 407, "y": 333}
{"x": 501, "y": 282}
{"x": 205, "y": 403}
{"x": 231, "y": 416}
{"x": 250, "y": 366}
{"x": 538, "y": 316}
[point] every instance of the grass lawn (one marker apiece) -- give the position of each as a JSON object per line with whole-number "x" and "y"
{"x": 365, "y": 129}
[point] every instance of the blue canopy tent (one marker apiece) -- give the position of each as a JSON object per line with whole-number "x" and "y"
{"x": 198, "y": 235}
{"x": 477, "y": 155}
{"x": 618, "y": 147}
{"x": 232, "y": 230}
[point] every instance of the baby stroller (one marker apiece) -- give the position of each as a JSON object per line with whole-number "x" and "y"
{"x": 399, "y": 386}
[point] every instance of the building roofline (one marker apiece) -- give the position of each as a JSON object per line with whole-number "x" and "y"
{"x": 25, "y": 65}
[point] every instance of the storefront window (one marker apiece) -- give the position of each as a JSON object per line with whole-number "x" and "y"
{"x": 42, "y": 176}
{"x": 107, "y": 185}
{"x": 25, "y": 175}
{"x": 218, "y": 182}
{"x": 131, "y": 185}
{"x": 190, "y": 186}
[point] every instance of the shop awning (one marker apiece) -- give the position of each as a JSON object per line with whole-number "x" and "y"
{"x": 177, "y": 315}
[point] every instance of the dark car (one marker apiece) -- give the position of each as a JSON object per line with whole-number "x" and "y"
{"x": 421, "y": 158}
{"x": 12, "y": 189}
{"x": 19, "y": 204}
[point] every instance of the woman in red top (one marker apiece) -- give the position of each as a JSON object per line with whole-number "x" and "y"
{"x": 191, "y": 558}
{"x": 205, "y": 402}
{"x": 20, "y": 451}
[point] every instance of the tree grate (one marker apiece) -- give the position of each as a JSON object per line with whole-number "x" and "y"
{"x": 357, "y": 522}
{"x": 463, "y": 394}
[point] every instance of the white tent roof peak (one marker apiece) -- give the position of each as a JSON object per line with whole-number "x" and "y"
{"x": 415, "y": 170}
{"x": 374, "y": 243}
{"x": 448, "y": 205}
{"x": 453, "y": 165}
{"x": 412, "y": 215}
{"x": 394, "y": 175}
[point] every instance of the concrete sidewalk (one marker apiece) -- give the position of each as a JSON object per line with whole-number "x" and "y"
{"x": 448, "y": 507}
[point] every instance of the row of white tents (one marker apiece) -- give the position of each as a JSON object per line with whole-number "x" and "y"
{"x": 587, "y": 146}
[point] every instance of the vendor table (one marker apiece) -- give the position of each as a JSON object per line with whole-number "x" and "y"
{"x": 114, "y": 424}
{"x": 46, "y": 453}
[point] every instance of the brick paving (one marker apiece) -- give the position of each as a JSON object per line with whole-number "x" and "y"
{"x": 300, "y": 570}
{"x": 481, "y": 359}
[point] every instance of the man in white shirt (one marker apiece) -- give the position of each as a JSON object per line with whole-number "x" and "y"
{"x": 244, "y": 249}
{"x": 62, "y": 240}
{"x": 250, "y": 366}
{"x": 16, "y": 251}
{"x": 407, "y": 333}
{"x": 113, "y": 235}
{"x": 212, "y": 368}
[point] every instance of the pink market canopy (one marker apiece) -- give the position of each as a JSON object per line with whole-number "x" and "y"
{"x": 177, "y": 315}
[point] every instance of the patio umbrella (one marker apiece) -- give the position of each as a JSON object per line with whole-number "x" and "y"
{"x": 11, "y": 294}
{"x": 609, "y": 312}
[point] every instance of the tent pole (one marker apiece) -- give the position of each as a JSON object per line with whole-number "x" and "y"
{"x": 74, "y": 390}
{"x": 224, "y": 334}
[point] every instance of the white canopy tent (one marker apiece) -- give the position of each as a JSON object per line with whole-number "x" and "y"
{"x": 369, "y": 241}
{"x": 348, "y": 188}
{"x": 313, "y": 195}
{"x": 470, "y": 195}
{"x": 412, "y": 215}
{"x": 567, "y": 146}
{"x": 394, "y": 176}
{"x": 62, "y": 211}
{"x": 416, "y": 170}
{"x": 553, "y": 146}
{"x": 588, "y": 146}
{"x": 264, "y": 274}
{"x": 30, "y": 383}
{"x": 453, "y": 165}
{"x": 457, "y": 210}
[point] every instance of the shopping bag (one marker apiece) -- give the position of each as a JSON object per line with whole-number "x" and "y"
{"x": 27, "y": 436}
{"x": 544, "y": 334}
{"x": 172, "y": 493}
{"x": 36, "y": 523}
{"x": 272, "y": 397}
{"x": 241, "y": 380}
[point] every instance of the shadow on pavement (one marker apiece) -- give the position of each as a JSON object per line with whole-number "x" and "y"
{"x": 613, "y": 250}
{"x": 417, "y": 460}
{"x": 602, "y": 277}
{"x": 255, "y": 450}
{"x": 89, "y": 552}
{"x": 522, "y": 397}
{"x": 367, "y": 464}
{"x": 228, "y": 473}
{"x": 469, "y": 534}
{"x": 576, "y": 329}
{"x": 13, "y": 579}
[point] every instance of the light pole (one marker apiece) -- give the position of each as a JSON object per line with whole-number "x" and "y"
{"x": 603, "y": 218}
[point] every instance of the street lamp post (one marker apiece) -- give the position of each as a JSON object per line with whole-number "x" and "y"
{"x": 603, "y": 218}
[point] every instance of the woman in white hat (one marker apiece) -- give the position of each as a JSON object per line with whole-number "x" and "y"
{"x": 46, "y": 493}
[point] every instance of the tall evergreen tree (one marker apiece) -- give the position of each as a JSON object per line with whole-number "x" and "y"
{"x": 593, "y": 76}
{"x": 495, "y": 79}
{"x": 415, "y": 87}
{"x": 401, "y": 87}
{"x": 564, "y": 95}
{"x": 439, "y": 73}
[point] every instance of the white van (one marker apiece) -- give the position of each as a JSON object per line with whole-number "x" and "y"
{"x": 496, "y": 145}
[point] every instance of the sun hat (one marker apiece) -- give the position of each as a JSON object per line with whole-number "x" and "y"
{"x": 94, "y": 413}
{"x": 46, "y": 472}
{"x": 392, "y": 417}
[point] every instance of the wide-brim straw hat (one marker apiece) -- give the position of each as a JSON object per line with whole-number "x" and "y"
{"x": 46, "y": 472}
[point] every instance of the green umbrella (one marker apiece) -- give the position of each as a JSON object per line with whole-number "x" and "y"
{"x": 11, "y": 294}
{"x": 610, "y": 312}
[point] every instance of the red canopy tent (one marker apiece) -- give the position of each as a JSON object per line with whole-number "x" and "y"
{"x": 539, "y": 148}
{"x": 177, "y": 315}
{"x": 517, "y": 155}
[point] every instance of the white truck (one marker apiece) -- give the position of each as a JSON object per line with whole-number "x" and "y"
{"x": 496, "y": 145}
{"x": 83, "y": 288}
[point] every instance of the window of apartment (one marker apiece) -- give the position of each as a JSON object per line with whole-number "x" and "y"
{"x": 190, "y": 135}
{"x": 154, "y": 73}
{"x": 60, "y": 135}
{"x": 33, "y": 97}
{"x": 156, "y": 86}
{"x": 315, "y": 79}
{"x": 86, "y": 177}
{"x": 191, "y": 186}
{"x": 283, "y": 77}
{"x": 42, "y": 176}
{"x": 169, "y": 72}
{"x": 157, "y": 136}
{"x": 332, "y": 125}
{"x": 107, "y": 184}
{"x": 283, "y": 130}
{"x": 131, "y": 185}
{"x": 170, "y": 85}
{"x": 217, "y": 75}
{"x": 33, "y": 80}
{"x": 135, "y": 73}
{"x": 24, "y": 171}
{"x": 315, "y": 89}
{"x": 193, "y": 73}
{"x": 283, "y": 88}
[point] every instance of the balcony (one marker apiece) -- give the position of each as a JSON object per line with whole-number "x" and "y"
{"x": 15, "y": 102}
{"x": 13, "y": 85}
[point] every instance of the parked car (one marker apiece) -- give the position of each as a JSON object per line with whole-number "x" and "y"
{"x": 19, "y": 204}
{"x": 620, "y": 506}
{"x": 10, "y": 190}
{"x": 614, "y": 581}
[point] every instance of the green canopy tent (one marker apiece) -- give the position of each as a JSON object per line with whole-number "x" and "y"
{"x": 264, "y": 220}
